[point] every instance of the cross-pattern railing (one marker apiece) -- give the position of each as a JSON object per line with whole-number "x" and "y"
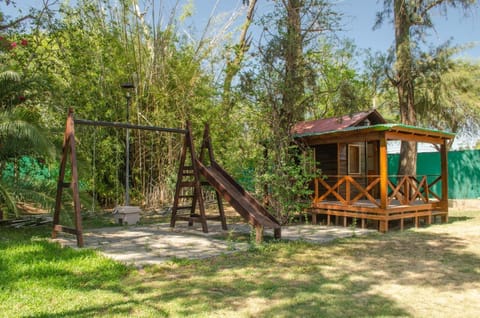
{"x": 411, "y": 188}
{"x": 350, "y": 189}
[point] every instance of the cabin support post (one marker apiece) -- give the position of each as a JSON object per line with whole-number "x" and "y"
{"x": 444, "y": 165}
{"x": 314, "y": 218}
{"x": 383, "y": 181}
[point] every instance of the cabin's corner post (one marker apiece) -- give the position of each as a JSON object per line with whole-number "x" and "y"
{"x": 444, "y": 165}
{"x": 383, "y": 173}
{"x": 383, "y": 226}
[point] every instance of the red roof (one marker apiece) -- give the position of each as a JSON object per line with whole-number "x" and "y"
{"x": 337, "y": 123}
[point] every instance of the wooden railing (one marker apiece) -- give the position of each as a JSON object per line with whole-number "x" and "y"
{"x": 412, "y": 188}
{"x": 350, "y": 189}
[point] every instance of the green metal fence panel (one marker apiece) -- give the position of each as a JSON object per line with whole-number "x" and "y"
{"x": 463, "y": 171}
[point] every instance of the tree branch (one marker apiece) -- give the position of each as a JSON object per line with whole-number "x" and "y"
{"x": 431, "y": 5}
{"x": 15, "y": 22}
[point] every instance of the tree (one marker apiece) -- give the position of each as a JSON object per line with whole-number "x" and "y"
{"x": 447, "y": 96}
{"x": 20, "y": 134}
{"x": 21, "y": 131}
{"x": 411, "y": 20}
{"x": 233, "y": 64}
{"x": 280, "y": 85}
{"x": 99, "y": 45}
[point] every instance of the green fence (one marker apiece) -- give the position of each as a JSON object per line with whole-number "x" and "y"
{"x": 463, "y": 171}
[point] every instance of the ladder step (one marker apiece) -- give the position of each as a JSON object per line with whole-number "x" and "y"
{"x": 66, "y": 184}
{"x": 185, "y": 196}
{"x": 194, "y": 218}
{"x": 184, "y": 207}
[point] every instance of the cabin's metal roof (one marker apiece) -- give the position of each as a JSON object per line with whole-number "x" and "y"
{"x": 381, "y": 127}
{"x": 337, "y": 123}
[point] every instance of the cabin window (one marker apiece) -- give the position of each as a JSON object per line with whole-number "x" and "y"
{"x": 354, "y": 159}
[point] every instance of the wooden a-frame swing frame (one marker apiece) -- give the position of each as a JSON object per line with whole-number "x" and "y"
{"x": 69, "y": 147}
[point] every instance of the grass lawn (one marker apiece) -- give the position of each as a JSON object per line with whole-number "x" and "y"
{"x": 428, "y": 272}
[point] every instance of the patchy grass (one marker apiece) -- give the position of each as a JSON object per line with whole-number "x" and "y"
{"x": 428, "y": 272}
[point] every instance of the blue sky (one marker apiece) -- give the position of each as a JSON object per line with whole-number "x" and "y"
{"x": 359, "y": 20}
{"x": 456, "y": 26}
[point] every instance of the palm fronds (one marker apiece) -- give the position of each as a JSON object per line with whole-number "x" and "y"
{"x": 8, "y": 200}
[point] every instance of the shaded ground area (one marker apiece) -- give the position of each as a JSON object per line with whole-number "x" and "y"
{"x": 154, "y": 244}
{"x": 427, "y": 272}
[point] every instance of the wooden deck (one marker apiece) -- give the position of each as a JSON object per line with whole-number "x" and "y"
{"x": 409, "y": 198}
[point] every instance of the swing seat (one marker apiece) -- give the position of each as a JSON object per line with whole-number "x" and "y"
{"x": 127, "y": 215}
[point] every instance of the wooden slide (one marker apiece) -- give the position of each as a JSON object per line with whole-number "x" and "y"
{"x": 242, "y": 201}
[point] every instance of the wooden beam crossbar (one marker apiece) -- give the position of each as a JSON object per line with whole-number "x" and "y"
{"x": 331, "y": 190}
{"x": 439, "y": 178}
{"x": 417, "y": 188}
{"x": 127, "y": 126}
{"x": 348, "y": 181}
{"x": 365, "y": 192}
{"x": 410, "y": 189}
{"x": 396, "y": 194}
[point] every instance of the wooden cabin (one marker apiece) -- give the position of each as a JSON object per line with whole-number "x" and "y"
{"x": 356, "y": 186}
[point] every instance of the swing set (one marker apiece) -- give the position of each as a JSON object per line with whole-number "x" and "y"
{"x": 189, "y": 176}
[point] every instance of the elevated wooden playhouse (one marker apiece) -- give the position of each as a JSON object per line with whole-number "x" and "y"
{"x": 351, "y": 152}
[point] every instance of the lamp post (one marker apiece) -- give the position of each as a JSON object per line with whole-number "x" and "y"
{"x": 127, "y": 87}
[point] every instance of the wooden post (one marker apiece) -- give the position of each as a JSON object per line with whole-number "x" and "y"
{"x": 383, "y": 225}
{"x": 383, "y": 173}
{"x": 68, "y": 146}
{"x": 444, "y": 165}
{"x": 75, "y": 189}
{"x": 277, "y": 233}
{"x": 207, "y": 145}
{"x": 258, "y": 234}
{"x": 347, "y": 189}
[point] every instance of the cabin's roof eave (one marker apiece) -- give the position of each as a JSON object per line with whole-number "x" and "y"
{"x": 337, "y": 123}
{"x": 379, "y": 128}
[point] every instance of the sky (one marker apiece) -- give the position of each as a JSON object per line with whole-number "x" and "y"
{"x": 360, "y": 18}
{"x": 358, "y": 24}
{"x": 461, "y": 29}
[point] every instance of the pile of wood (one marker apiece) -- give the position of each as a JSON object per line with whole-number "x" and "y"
{"x": 27, "y": 221}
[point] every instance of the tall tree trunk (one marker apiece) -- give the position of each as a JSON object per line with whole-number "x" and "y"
{"x": 293, "y": 89}
{"x": 405, "y": 85}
